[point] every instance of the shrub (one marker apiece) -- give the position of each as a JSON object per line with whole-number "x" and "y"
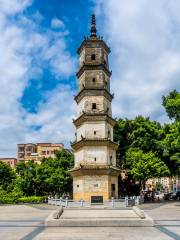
{"x": 9, "y": 198}
{"x": 16, "y": 197}
{"x": 32, "y": 199}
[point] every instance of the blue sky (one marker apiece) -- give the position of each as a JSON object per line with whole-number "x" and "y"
{"x": 38, "y": 62}
{"x": 77, "y": 28}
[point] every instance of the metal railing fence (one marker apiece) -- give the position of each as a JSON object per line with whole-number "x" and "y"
{"x": 113, "y": 203}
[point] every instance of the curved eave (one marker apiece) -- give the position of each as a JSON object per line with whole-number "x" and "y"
{"x": 94, "y": 117}
{"x": 95, "y": 142}
{"x": 86, "y": 42}
{"x": 94, "y": 169}
{"x": 93, "y": 67}
{"x": 93, "y": 92}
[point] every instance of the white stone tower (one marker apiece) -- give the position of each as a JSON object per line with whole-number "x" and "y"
{"x": 95, "y": 176}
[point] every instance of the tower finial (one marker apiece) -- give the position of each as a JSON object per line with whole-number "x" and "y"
{"x": 93, "y": 25}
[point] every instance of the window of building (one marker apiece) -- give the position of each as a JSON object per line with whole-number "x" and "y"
{"x": 111, "y": 159}
{"x": 93, "y": 105}
{"x": 43, "y": 152}
{"x": 113, "y": 187}
{"x": 77, "y": 186}
{"x": 94, "y": 80}
{"x": 109, "y": 132}
{"x": 28, "y": 149}
{"x": 21, "y": 149}
{"x": 93, "y": 57}
{"x": 94, "y": 132}
{"x": 95, "y": 185}
{"x": 95, "y": 159}
{"x": 47, "y": 152}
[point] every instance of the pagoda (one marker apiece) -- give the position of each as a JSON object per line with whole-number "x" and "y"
{"x": 95, "y": 175}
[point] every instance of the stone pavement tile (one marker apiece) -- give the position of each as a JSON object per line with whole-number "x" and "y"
{"x": 21, "y": 212}
{"x": 175, "y": 230}
{"x": 166, "y": 212}
{"x": 15, "y": 233}
{"x": 98, "y": 214}
{"x": 172, "y": 232}
{"x": 168, "y": 222}
{"x": 102, "y": 233}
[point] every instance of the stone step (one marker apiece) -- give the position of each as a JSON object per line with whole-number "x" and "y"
{"x": 100, "y": 218}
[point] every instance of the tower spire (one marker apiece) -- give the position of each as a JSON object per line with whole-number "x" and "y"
{"x": 93, "y": 25}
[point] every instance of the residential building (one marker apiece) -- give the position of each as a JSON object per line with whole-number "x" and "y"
{"x": 26, "y": 152}
{"x": 166, "y": 183}
{"x": 45, "y": 150}
{"x": 36, "y": 152}
{"x": 10, "y": 161}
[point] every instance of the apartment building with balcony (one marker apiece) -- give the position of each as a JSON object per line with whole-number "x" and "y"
{"x": 36, "y": 152}
{"x": 45, "y": 150}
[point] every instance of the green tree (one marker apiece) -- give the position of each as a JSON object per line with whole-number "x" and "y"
{"x": 171, "y": 103}
{"x": 142, "y": 166}
{"x": 26, "y": 182}
{"x": 139, "y": 133}
{"x": 50, "y": 177}
{"x": 7, "y": 175}
{"x": 57, "y": 179}
{"x": 170, "y": 147}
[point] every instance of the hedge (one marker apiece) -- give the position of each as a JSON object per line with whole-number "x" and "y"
{"x": 32, "y": 199}
{"x": 13, "y": 200}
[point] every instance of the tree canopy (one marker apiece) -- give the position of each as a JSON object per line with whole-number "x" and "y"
{"x": 7, "y": 175}
{"x": 171, "y": 103}
{"x": 144, "y": 165}
{"x": 50, "y": 177}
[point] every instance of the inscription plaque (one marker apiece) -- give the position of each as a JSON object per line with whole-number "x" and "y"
{"x": 97, "y": 199}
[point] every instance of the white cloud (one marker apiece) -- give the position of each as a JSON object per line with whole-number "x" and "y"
{"x": 24, "y": 50}
{"x": 144, "y": 39}
{"x": 57, "y": 23}
{"x": 13, "y": 6}
{"x": 55, "y": 116}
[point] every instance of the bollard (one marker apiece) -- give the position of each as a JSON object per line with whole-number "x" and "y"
{"x": 66, "y": 202}
{"x": 134, "y": 201}
{"x": 137, "y": 200}
{"x": 81, "y": 203}
{"x": 112, "y": 203}
{"x": 126, "y": 201}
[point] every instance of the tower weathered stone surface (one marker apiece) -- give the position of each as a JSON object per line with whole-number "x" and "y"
{"x": 95, "y": 175}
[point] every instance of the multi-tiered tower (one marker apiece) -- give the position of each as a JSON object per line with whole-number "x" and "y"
{"x": 95, "y": 176}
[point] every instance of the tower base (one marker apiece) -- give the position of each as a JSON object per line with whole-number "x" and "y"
{"x": 95, "y": 185}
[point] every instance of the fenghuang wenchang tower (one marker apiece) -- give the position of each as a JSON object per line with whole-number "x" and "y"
{"x": 95, "y": 176}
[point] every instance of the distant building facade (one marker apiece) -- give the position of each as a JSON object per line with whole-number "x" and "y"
{"x": 36, "y": 152}
{"x": 10, "y": 161}
{"x": 168, "y": 183}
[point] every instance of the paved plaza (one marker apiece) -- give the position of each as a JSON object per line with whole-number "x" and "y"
{"x": 25, "y": 222}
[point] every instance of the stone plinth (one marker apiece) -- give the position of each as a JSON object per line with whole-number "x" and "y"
{"x": 100, "y": 218}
